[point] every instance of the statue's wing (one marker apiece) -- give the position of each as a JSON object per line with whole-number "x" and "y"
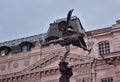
{"x": 69, "y": 17}
{"x": 52, "y": 33}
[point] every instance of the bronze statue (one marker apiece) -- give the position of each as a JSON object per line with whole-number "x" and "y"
{"x": 69, "y": 35}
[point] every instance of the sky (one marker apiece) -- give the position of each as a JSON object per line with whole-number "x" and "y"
{"x": 22, "y": 18}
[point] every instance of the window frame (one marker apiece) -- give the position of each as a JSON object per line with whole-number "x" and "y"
{"x": 27, "y": 48}
{"x": 104, "y": 47}
{"x": 24, "y": 48}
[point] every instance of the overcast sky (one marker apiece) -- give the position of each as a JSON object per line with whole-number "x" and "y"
{"x": 22, "y": 18}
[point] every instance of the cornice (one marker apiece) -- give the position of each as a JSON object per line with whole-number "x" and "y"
{"x": 102, "y": 34}
{"x": 111, "y": 55}
{"x": 16, "y": 57}
{"x": 110, "y": 59}
{"x": 115, "y": 29}
{"x": 24, "y": 55}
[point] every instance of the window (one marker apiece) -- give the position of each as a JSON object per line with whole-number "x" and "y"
{"x": 104, "y": 47}
{"x": 110, "y": 79}
{"x": 24, "y": 48}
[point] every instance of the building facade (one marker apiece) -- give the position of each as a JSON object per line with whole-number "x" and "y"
{"x": 25, "y": 60}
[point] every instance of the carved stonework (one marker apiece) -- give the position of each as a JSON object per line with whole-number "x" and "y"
{"x": 26, "y": 63}
{"x": 84, "y": 71}
{"x": 15, "y": 65}
{"x": 2, "y": 67}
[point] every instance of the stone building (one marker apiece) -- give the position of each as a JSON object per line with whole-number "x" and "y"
{"x": 25, "y": 60}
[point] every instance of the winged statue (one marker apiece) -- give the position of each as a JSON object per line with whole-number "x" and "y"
{"x": 65, "y": 34}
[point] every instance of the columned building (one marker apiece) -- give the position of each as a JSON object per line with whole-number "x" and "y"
{"x": 25, "y": 60}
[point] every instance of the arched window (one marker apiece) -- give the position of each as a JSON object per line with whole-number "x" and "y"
{"x": 25, "y": 46}
{"x": 4, "y": 50}
{"x": 104, "y": 47}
